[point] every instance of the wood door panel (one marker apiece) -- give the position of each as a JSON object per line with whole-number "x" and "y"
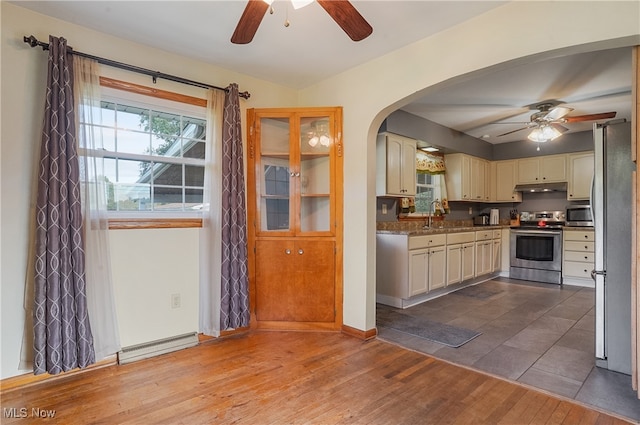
{"x": 298, "y": 286}
{"x": 315, "y": 293}
{"x": 275, "y": 280}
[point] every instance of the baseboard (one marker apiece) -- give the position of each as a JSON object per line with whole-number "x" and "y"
{"x": 28, "y": 379}
{"x": 357, "y": 333}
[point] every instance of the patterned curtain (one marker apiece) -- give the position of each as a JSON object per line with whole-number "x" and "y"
{"x": 234, "y": 308}
{"x": 62, "y": 334}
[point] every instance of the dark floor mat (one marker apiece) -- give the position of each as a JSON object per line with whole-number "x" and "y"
{"x": 451, "y": 336}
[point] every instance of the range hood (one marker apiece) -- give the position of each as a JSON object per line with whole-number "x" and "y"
{"x": 541, "y": 187}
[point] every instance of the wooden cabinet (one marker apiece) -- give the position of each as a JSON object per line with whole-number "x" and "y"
{"x": 578, "y": 255}
{"x": 466, "y": 178}
{"x": 503, "y": 177}
{"x": 544, "y": 169}
{"x": 396, "y": 165}
{"x": 581, "y": 168}
{"x": 294, "y": 199}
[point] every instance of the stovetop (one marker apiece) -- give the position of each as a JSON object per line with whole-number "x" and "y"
{"x": 551, "y": 220}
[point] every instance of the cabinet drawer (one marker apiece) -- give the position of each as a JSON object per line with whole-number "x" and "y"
{"x": 582, "y": 270}
{"x": 460, "y": 237}
{"x": 425, "y": 241}
{"x": 578, "y": 246}
{"x": 585, "y": 257}
{"x": 579, "y": 235}
{"x": 497, "y": 234}
{"x": 484, "y": 235}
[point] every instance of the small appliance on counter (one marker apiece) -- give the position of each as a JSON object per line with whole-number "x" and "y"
{"x": 494, "y": 217}
{"x": 481, "y": 220}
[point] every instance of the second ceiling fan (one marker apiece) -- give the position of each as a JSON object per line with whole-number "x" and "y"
{"x": 547, "y": 122}
{"x": 342, "y": 11}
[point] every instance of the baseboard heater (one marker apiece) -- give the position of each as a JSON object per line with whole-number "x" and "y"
{"x": 155, "y": 348}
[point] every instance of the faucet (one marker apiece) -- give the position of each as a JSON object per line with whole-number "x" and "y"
{"x": 430, "y": 211}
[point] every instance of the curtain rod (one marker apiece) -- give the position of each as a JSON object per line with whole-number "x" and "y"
{"x": 33, "y": 42}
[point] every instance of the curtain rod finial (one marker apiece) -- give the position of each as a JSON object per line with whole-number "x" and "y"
{"x": 245, "y": 95}
{"x": 33, "y": 42}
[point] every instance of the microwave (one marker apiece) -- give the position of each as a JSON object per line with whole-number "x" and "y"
{"x": 579, "y": 216}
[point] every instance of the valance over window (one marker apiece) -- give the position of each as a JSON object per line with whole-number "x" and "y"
{"x": 429, "y": 163}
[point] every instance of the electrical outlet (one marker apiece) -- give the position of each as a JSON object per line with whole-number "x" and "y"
{"x": 384, "y": 209}
{"x": 175, "y": 300}
{"x": 470, "y": 211}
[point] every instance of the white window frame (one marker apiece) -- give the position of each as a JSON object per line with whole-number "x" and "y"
{"x": 160, "y": 105}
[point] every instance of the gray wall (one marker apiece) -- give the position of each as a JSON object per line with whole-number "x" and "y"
{"x": 409, "y": 125}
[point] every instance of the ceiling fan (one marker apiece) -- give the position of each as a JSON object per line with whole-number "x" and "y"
{"x": 547, "y": 122}
{"x": 342, "y": 11}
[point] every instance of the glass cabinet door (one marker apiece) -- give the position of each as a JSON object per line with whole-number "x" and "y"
{"x": 275, "y": 175}
{"x": 294, "y": 172}
{"x": 314, "y": 182}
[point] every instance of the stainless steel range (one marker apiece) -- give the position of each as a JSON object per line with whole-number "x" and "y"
{"x": 536, "y": 247}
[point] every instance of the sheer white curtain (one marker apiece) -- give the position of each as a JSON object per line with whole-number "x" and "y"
{"x": 100, "y": 292}
{"x": 210, "y": 235}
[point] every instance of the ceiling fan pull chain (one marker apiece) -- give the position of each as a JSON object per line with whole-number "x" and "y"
{"x": 286, "y": 18}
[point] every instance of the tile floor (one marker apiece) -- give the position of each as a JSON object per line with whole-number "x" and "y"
{"x": 537, "y": 334}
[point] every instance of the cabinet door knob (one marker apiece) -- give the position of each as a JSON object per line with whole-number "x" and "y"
{"x": 300, "y": 251}
{"x": 297, "y": 174}
{"x": 586, "y": 236}
{"x": 287, "y": 251}
{"x": 292, "y": 174}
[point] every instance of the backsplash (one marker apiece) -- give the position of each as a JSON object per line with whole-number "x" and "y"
{"x": 459, "y": 211}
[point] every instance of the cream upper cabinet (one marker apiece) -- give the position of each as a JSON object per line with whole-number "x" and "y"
{"x": 396, "y": 163}
{"x": 466, "y": 178}
{"x": 580, "y": 176}
{"x": 543, "y": 169}
{"x": 503, "y": 176}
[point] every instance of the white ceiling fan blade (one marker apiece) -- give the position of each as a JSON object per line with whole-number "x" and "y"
{"x": 557, "y": 112}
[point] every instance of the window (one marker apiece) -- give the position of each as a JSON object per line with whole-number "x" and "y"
{"x": 427, "y": 190}
{"x": 154, "y": 156}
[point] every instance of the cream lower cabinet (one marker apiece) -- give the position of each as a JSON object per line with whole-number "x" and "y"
{"x": 460, "y": 257}
{"x": 427, "y": 263}
{"x": 496, "y": 256}
{"x": 578, "y": 256}
{"x": 484, "y": 252}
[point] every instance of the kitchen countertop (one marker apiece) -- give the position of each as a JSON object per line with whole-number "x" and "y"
{"x": 439, "y": 230}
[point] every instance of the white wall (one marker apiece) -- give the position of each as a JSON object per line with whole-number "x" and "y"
{"x": 141, "y": 285}
{"x": 149, "y": 266}
{"x": 368, "y": 93}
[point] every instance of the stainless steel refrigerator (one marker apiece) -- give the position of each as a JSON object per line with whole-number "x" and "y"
{"x": 611, "y": 201}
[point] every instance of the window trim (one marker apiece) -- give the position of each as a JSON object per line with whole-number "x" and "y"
{"x": 147, "y": 222}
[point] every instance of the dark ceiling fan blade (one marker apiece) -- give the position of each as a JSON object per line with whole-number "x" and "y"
{"x": 514, "y": 131}
{"x": 249, "y": 22}
{"x": 348, "y": 18}
{"x": 591, "y": 117}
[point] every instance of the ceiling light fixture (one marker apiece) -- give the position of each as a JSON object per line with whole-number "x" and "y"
{"x": 430, "y": 149}
{"x": 544, "y": 133}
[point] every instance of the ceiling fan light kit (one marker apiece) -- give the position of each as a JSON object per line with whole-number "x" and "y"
{"x": 546, "y": 122}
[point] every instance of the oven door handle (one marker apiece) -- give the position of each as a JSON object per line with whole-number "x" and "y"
{"x": 537, "y": 232}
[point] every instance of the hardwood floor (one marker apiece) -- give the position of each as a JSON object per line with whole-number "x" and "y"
{"x": 268, "y": 377}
